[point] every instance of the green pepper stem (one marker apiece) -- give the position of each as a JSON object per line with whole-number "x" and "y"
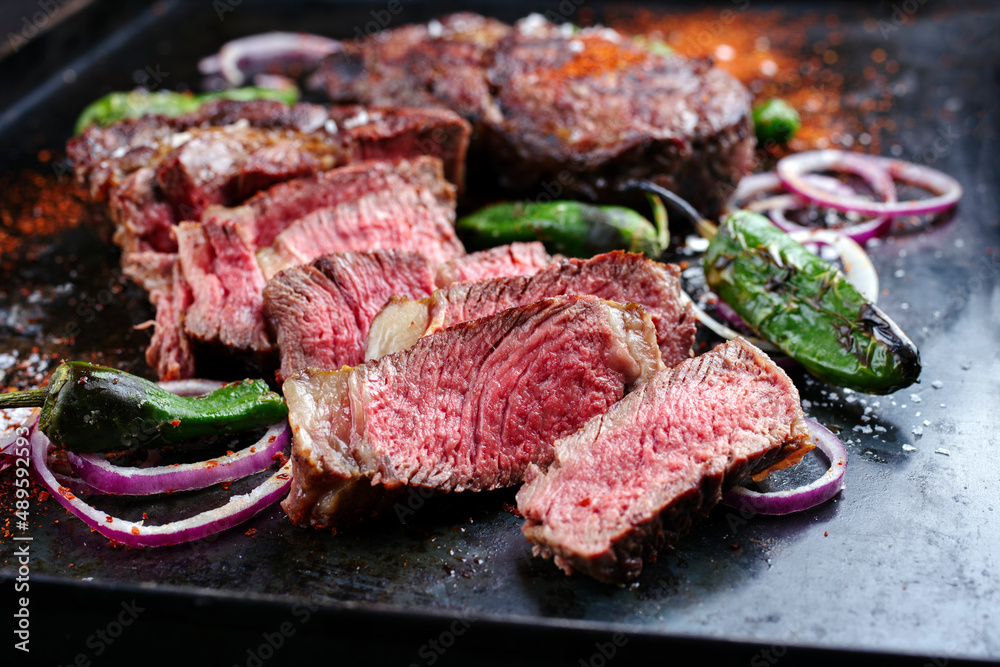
{"x": 33, "y": 398}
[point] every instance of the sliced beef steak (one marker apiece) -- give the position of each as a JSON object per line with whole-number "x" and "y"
{"x": 468, "y": 408}
{"x": 514, "y": 259}
{"x": 615, "y": 276}
{"x": 320, "y": 312}
{"x": 549, "y": 101}
{"x": 633, "y": 480}
{"x": 223, "y": 268}
{"x": 219, "y": 269}
{"x": 391, "y": 214}
{"x": 259, "y": 140}
{"x": 155, "y": 171}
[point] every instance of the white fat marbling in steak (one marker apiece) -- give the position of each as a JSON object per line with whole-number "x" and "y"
{"x": 320, "y": 312}
{"x": 615, "y": 276}
{"x": 633, "y": 480}
{"x": 467, "y": 408}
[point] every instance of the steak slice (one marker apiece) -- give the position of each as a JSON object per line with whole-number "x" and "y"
{"x": 514, "y": 259}
{"x": 468, "y": 408}
{"x": 320, "y": 312}
{"x": 633, "y": 480}
{"x": 219, "y": 269}
{"x": 156, "y": 171}
{"x": 615, "y": 276}
{"x": 223, "y": 268}
{"x": 410, "y": 207}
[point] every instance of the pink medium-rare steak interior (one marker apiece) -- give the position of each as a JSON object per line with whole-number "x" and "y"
{"x": 222, "y": 267}
{"x": 467, "y": 408}
{"x": 320, "y": 312}
{"x": 615, "y": 276}
{"x": 514, "y": 259}
{"x": 635, "y": 479}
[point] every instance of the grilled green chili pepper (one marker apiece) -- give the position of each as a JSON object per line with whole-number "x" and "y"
{"x": 775, "y": 120}
{"x": 114, "y": 107}
{"x": 568, "y": 227}
{"x": 88, "y": 408}
{"x": 807, "y": 307}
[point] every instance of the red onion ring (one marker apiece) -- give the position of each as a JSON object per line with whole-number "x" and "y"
{"x": 96, "y": 471}
{"x": 804, "y": 497}
{"x": 755, "y": 184}
{"x": 236, "y": 511}
{"x": 266, "y": 47}
{"x": 792, "y": 169}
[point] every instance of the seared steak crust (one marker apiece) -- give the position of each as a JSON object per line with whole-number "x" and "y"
{"x": 548, "y": 102}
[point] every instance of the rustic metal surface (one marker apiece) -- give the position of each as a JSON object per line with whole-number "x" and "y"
{"x": 905, "y": 561}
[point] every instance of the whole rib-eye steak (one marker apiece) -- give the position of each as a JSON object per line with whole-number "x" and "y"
{"x": 550, "y": 104}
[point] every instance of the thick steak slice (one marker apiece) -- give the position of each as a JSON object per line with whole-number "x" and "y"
{"x": 468, "y": 408}
{"x": 218, "y": 267}
{"x": 155, "y": 171}
{"x": 635, "y": 479}
{"x": 428, "y": 200}
{"x": 514, "y": 259}
{"x": 320, "y": 312}
{"x": 608, "y": 110}
{"x": 615, "y": 276}
{"x": 396, "y": 215}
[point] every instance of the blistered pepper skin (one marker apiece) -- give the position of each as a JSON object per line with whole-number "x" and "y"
{"x": 807, "y": 308}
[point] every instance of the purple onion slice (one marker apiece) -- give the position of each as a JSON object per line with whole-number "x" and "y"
{"x": 804, "y": 497}
{"x": 236, "y": 511}
{"x": 793, "y": 169}
{"x": 102, "y": 475}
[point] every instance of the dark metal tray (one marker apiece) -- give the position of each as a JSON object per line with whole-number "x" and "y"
{"x": 902, "y": 566}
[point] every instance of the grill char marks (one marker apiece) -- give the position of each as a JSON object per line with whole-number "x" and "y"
{"x": 468, "y": 408}
{"x": 634, "y": 480}
{"x": 547, "y": 101}
{"x": 615, "y": 276}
